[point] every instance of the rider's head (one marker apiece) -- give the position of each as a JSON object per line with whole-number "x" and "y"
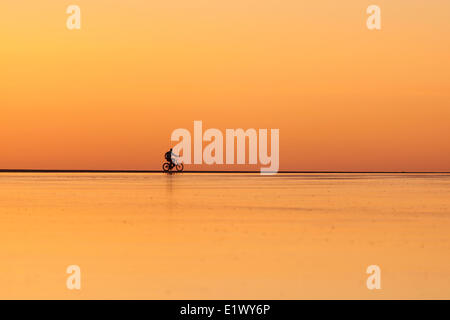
{"x": 170, "y": 149}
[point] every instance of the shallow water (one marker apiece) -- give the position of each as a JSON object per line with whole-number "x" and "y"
{"x": 224, "y": 236}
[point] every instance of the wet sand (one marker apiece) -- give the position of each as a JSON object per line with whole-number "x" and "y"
{"x": 224, "y": 236}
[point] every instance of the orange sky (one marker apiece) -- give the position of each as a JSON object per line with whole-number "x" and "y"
{"x": 109, "y": 95}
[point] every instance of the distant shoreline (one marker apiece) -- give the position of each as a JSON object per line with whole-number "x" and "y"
{"x": 206, "y": 171}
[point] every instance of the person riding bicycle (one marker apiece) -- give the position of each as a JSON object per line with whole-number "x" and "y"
{"x": 169, "y": 157}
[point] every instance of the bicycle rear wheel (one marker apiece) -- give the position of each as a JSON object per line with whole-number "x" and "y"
{"x": 166, "y": 167}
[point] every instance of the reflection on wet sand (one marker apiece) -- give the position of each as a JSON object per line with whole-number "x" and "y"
{"x": 230, "y": 236}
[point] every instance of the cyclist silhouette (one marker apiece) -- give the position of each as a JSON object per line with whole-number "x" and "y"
{"x": 169, "y": 156}
{"x": 171, "y": 162}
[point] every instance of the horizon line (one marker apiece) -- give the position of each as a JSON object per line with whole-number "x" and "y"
{"x": 201, "y": 171}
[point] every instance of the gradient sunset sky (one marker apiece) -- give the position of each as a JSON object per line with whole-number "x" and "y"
{"x": 109, "y": 95}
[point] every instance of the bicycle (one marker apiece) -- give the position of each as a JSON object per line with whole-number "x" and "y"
{"x": 167, "y": 166}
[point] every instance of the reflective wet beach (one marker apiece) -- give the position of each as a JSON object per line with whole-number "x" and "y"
{"x": 229, "y": 236}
